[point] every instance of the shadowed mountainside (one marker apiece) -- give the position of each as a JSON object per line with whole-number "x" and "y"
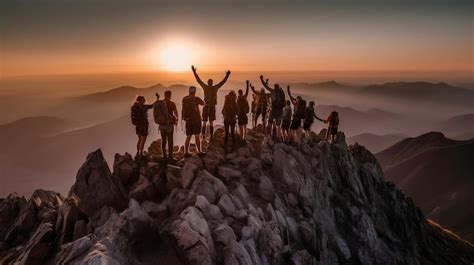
{"x": 375, "y": 143}
{"x": 437, "y": 173}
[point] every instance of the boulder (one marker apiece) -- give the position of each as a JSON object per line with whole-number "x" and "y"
{"x": 95, "y": 186}
{"x": 39, "y": 246}
{"x": 10, "y": 208}
{"x": 188, "y": 173}
{"x": 125, "y": 169}
{"x": 209, "y": 186}
{"x": 69, "y": 214}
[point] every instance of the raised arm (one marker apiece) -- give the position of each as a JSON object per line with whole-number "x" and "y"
{"x": 247, "y": 89}
{"x": 293, "y": 100}
{"x": 221, "y": 83}
{"x": 316, "y": 116}
{"x": 198, "y": 79}
{"x": 253, "y": 89}
{"x": 265, "y": 83}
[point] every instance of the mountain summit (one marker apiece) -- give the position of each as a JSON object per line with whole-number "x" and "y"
{"x": 265, "y": 203}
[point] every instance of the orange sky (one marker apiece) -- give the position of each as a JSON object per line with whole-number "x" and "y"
{"x": 131, "y": 37}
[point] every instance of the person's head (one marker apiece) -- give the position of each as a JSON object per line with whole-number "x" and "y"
{"x": 140, "y": 100}
{"x": 334, "y": 114}
{"x": 299, "y": 98}
{"x": 232, "y": 94}
{"x": 276, "y": 86}
{"x": 262, "y": 90}
{"x": 168, "y": 94}
{"x": 288, "y": 103}
{"x": 311, "y": 103}
{"x": 192, "y": 90}
{"x": 240, "y": 92}
{"x": 210, "y": 82}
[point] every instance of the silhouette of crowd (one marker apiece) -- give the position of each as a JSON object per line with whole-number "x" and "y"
{"x": 291, "y": 125}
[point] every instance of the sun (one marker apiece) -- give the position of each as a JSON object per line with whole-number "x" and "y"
{"x": 176, "y": 58}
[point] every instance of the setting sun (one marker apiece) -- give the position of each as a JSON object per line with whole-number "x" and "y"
{"x": 176, "y": 58}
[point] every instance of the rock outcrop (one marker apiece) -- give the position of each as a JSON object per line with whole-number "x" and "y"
{"x": 264, "y": 203}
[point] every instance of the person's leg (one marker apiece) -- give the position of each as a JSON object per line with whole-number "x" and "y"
{"x": 232, "y": 132}
{"x": 203, "y": 129}
{"x": 170, "y": 142}
{"x": 198, "y": 142}
{"x": 163, "y": 142}
{"x": 226, "y": 134}
{"x": 245, "y": 131}
{"x": 186, "y": 144}
{"x": 142, "y": 146}
{"x": 139, "y": 143}
{"x": 211, "y": 130}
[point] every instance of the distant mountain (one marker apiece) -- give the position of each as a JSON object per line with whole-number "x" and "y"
{"x": 457, "y": 125}
{"x": 375, "y": 143}
{"x": 439, "y": 174}
{"x": 422, "y": 91}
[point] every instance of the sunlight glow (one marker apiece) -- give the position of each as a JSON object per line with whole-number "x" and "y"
{"x": 176, "y": 58}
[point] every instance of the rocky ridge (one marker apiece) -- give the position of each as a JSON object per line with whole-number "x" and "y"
{"x": 264, "y": 203}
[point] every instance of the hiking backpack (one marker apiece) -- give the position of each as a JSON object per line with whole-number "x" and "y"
{"x": 189, "y": 111}
{"x": 160, "y": 112}
{"x": 300, "y": 109}
{"x": 135, "y": 115}
{"x": 278, "y": 97}
{"x": 243, "y": 104}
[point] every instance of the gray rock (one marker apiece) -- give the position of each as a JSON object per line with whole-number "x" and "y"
{"x": 125, "y": 169}
{"x": 224, "y": 234}
{"x": 38, "y": 247}
{"x": 226, "y": 205}
{"x": 188, "y": 173}
{"x": 95, "y": 186}
{"x": 266, "y": 188}
{"x": 209, "y": 186}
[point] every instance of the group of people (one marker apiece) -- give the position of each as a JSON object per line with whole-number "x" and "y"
{"x": 290, "y": 125}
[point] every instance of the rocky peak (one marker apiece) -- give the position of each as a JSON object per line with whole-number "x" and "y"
{"x": 264, "y": 203}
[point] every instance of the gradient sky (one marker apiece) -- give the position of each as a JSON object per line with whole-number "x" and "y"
{"x": 57, "y": 37}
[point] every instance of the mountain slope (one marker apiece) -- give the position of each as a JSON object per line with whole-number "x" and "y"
{"x": 265, "y": 203}
{"x": 438, "y": 173}
{"x": 375, "y": 143}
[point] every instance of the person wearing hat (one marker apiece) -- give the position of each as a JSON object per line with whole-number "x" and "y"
{"x": 192, "y": 116}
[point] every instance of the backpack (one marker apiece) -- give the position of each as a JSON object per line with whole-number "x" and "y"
{"x": 334, "y": 119}
{"x": 135, "y": 115}
{"x": 243, "y": 104}
{"x": 189, "y": 109}
{"x": 160, "y": 112}
{"x": 300, "y": 109}
{"x": 278, "y": 97}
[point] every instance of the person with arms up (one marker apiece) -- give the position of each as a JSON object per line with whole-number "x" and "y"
{"x": 261, "y": 105}
{"x": 139, "y": 116}
{"x": 244, "y": 109}
{"x": 192, "y": 116}
{"x": 278, "y": 103}
{"x": 309, "y": 119}
{"x": 230, "y": 112}
{"x": 298, "y": 115}
{"x": 166, "y": 116}
{"x": 210, "y": 101}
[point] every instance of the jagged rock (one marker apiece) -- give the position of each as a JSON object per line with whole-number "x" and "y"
{"x": 228, "y": 173}
{"x": 80, "y": 229}
{"x": 24, "y": 224}
{"x": 10, "y": 208}
{"x": 224, "y": 234}
{"x": 71, "y": 252}
{"x": 209, "y": 186}
{"x": 236, "y": 254}
{"x": 144, "y": 190}
{"x": 69, "y": 214}
{"x": 125, "y": 169}
{"x": 38, "y": 248}
{"x": 190, "y": 169}
{"x": 95, "y": 186}
{"x": 45, "y": 198}
{"x": 266, "y": 188}
{"x": 226, "y": 205}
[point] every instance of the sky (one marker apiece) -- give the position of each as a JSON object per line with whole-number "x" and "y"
{"x": 68, "y": 36}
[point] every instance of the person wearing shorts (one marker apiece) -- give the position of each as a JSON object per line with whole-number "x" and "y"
{"x": 139, "y": 117}
{"x": 192, "y": 116}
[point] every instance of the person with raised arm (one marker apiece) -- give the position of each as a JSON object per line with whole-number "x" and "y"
{"x": 278, "y": 103}
{"x": 244, "y": 109}
{"x": 261, "y": 105}
{"x": 210, "y": 101}
{"x": 298, "y": 115}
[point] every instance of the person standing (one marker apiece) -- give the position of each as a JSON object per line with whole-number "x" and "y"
{"x": 192, "y": 116}
{"x": 278, "y": 103}
{"x": 210, "y": 101}
{"x": 286, "y": 121}
{"x": 333, "y": 121}
{"x": 261, "y": 105}
{"x": 139, "y": 116}
{"x": 309, "y": 119}
{"x": 298, "y": 115}
{"x": 166, "y": 115}
{"x": 244, "y": 109}
{"x": 230, "y": 112}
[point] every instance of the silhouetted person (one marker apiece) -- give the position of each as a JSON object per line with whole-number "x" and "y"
{"x": 192, "y": 116}
{"x": 210, "y": 101}
{"x": 278, "y": 103}
{"x": 333, "y": 121}
{"x": 286, "y": 121}
{"x": 244, "y": 109}
{"x": 254, "y": 109}
{"x": 309, "y": 119}
{"x": 261, "y": 106}
{"x": 168, "y": 114}
{"x": 230, "y": 112}
{"x": 298, "y": 115}
{"x": 139, "y": 115}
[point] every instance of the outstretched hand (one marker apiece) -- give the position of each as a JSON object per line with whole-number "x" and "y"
{"x": 157, "y": 96}
{"x": 227, "y": 72}
{"x": 193, "y": 68}
{"x": 247, "y": 82}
